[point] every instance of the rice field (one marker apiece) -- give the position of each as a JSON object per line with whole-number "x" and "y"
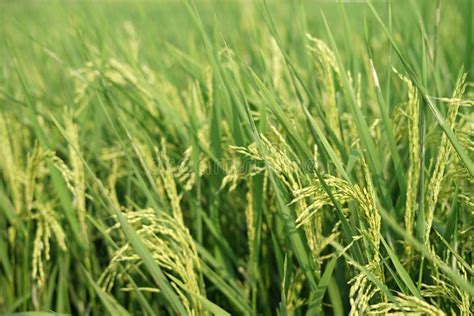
{"x": 250, "y": 157}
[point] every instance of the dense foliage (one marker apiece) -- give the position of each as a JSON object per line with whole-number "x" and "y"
{"x": 236, "y": 157}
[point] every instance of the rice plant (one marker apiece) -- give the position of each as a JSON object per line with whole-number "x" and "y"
{"x": 236, "y": 157}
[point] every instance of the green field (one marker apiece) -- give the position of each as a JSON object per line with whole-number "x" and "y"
{"x": 237, "y": 157}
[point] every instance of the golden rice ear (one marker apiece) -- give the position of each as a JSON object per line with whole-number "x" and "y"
{"x": 10, "y": 163}
{"x": 35, "y": 168}
{"x": 251, "y": 234}
{"x": 277, "y": 64}
{"x": 47, "y": 227}
{"x": 166, "y": 173}
{"x": 326, "y": 66}
{"x": 405, "y": 305}
{"x": 414, "y": 160}
{"x": 442, "y": 159}
{"x": 37, "y": 272}
{"x": 173, "y": 249}
{"x": 361, "y": 294}
{"x": 77, "y": 166}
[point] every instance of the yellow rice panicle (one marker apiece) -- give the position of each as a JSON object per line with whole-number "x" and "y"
{"x": 441, "y": 160}
{"x": 413, "y": 174}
